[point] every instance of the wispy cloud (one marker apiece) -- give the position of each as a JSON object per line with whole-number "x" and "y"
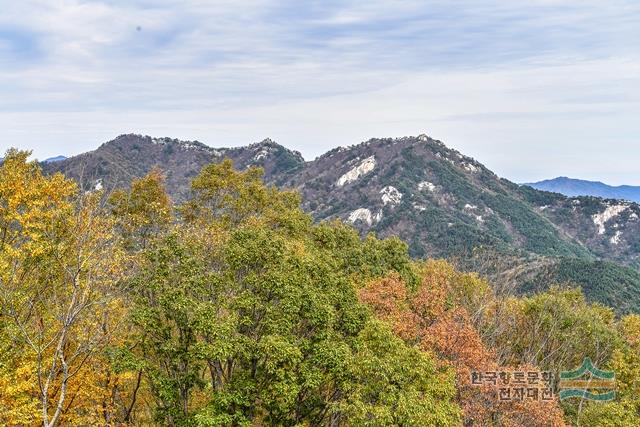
{"x": 320, "y": 73}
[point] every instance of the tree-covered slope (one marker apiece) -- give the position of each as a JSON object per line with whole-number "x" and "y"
{"x": 115, "y": 163}
{"x": 441, "y": 202}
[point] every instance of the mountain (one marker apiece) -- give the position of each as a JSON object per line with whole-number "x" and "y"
{"x": 54, "y": 159}
{"x": 579, "y": 187}
{"x": 441, "y": 202}
{"x": 444, "y": 204}
{"x": 115, "y": 163}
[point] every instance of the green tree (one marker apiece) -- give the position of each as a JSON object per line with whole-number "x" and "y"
{"x": 625, "y": 362}
{"x": 247, "y": 314}
{"x": 554, "y": 330}
{"x": 388, "y": 383}
{"x": 144, "y": 212}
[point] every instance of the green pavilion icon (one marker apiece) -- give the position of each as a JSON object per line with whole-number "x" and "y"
{"x": 587, "y": 382}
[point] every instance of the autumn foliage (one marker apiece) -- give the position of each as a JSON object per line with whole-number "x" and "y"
{"x": 122, "y": 308}
{"x": 437, "y": 318}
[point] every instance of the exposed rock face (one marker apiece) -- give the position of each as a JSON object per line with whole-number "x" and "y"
{"x": 391, "y": 196}
{"x": 609, "y": 213}
{"x": 361, "y": 215}
{"x": 363, "y": 168}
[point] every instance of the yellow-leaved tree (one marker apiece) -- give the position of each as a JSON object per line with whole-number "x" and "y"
{"x": 59, "y": 268}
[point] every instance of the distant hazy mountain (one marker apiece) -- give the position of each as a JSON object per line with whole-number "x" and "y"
{"x": 578, "y": 187}
{"x": 54, "y": 159}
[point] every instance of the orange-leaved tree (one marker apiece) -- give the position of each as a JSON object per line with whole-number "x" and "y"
{"x": 438, "y": 316}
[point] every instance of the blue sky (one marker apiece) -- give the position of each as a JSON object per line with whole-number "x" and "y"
{"x": 533, "y": 89}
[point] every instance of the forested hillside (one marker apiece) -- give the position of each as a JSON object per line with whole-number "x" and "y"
{"x": 439, "y": 201}
{"x": 232, "y": 307}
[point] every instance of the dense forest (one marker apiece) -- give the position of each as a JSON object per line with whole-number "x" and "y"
{"x": 233, "y": 308}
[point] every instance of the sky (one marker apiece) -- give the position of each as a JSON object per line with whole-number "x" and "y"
{"x": 533, "y": 89}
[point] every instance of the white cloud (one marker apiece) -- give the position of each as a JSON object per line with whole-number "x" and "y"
{"x": 506, "y": 82}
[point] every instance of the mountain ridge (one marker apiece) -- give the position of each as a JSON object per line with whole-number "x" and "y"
{"x": 442, "y": 203}
{"x": 114, "y": 163}
{"x": 54, "y": 159}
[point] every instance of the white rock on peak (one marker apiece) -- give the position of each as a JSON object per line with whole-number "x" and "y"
{"x": 426, "y": 185}
{"x": 391, "y": 195}
{"x": 615, "y": 239}
{"x": 363, "y": 168}
{"x": 609, "y": 213}
{"x": 470, "y": 207}
{"x": 470, "y": 167}
{"x": 189, "y": 146}
{"x": 264, "y": 152}
{"x": 185, "y": 145}
{"x": 361, "y": 214}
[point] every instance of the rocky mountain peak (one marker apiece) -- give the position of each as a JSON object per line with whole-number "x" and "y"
{"x": 126, "y": 140}
{"x": 405, "y": 142}
{"x": 276, "y": 160}
{"x": 142, "y": 142}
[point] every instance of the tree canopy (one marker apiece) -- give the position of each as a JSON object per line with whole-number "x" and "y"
{"x": 236, "y": 309}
